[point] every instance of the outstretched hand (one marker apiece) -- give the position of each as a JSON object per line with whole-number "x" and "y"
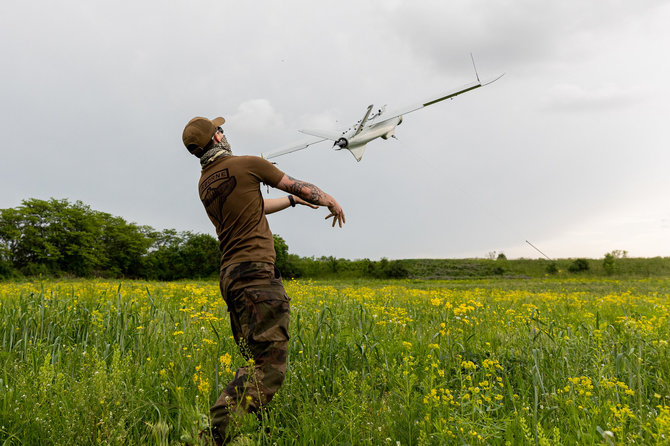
{"x": 335, "y": 210}
{"x": 337, "y": 213}
{"x": 303, "y": 191}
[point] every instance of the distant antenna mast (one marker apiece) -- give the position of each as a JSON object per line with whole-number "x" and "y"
{"x": 538, "y": 250}
{"x": 477, "y": 74}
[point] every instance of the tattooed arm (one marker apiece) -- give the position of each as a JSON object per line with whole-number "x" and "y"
{"x": 273, "y": 205}
{"x": 312, "y": 194}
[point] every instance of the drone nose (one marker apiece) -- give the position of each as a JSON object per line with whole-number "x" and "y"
{"x": 342, "y": 143}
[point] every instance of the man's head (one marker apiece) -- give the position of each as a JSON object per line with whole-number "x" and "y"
{"x": 200, "y": 133}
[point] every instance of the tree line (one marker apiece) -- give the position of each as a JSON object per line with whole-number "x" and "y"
{"x": 59, "y": 238}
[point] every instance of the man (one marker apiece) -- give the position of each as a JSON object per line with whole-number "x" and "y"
{"x": 229, "y": 188}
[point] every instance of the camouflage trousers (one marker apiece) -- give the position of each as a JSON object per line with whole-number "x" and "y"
{"x": 259, "y": 317}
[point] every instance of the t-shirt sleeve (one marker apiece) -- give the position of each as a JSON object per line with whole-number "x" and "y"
{"x": 265, "y": 171}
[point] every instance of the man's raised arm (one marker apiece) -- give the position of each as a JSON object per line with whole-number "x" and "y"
{"x": 312, "y": 194}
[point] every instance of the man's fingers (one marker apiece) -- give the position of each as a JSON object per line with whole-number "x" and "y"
{"x": 337, "y": 218}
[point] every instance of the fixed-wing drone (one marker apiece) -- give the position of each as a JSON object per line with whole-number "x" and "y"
{"x": 381, "y": 123}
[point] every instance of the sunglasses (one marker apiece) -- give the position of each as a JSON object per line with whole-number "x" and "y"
{"x": 218, "y": 130}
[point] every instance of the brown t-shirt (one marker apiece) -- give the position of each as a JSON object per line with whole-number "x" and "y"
{"x": 230, "y": 191}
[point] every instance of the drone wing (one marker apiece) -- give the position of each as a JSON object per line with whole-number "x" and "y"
{"x": 433, "y": 100}
{"x": 318, "y": 136}
{"x": 325, "y": 134}
{"x": 292, "y": 148}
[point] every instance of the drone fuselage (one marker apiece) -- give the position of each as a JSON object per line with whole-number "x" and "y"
{"x": 384, "y": 130}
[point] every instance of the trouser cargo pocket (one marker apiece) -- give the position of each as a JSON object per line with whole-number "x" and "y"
{"x": 268, "y": 312}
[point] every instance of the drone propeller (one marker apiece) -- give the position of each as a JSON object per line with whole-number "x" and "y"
{"x": 342, "y": 143}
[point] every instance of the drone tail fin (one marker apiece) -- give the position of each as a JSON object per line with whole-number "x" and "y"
{"x": 357, "y": 151}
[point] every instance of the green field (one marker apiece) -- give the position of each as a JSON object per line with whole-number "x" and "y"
{"x": 478, "y": 361}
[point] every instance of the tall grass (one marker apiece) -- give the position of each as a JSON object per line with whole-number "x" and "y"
{"x": 555, "y": 361}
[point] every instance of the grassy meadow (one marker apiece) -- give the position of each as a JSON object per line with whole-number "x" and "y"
{"x": 478, "y": 361}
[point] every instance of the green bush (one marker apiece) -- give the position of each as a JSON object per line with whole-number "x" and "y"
{"x": 501, "y": 265}
{"x": 578, "y": 266}
{"x": 552, "y": 268}
{"x": 608, "y": 263}
{"x": 395, "y": 269}
{"x": 6, "y": 269}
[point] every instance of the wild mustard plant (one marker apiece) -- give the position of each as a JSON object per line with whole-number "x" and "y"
{"x": 555, "y": 361}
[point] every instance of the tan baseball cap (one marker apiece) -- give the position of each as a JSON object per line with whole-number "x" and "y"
{"x": 199, "y": 131}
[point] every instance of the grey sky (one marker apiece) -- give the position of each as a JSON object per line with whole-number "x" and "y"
{"x": 569, "y": 150}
